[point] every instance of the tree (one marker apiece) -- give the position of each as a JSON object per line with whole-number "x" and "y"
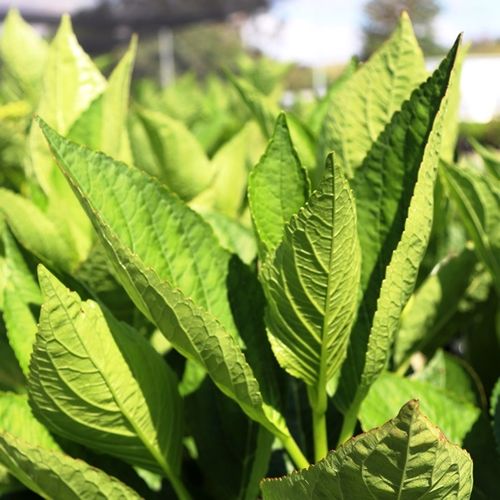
{"x": 382, "y": 17}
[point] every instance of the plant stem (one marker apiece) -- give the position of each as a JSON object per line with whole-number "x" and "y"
{"x": 179, "y": 488}
{"x": 349, "y": 424}
{"x": 295, "y": 452}
{"x": 319, "y": 402}
{"x": 320, "y": 435}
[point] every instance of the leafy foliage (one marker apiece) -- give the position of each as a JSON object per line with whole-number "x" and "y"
{"x": 226, "y": 290}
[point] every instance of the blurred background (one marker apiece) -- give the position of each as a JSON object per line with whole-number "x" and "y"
{"x": 304, "y": 43}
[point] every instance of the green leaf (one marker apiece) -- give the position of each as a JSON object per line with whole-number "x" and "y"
{"x": 365, "y": 104}
{"x": 452, "y": 415}
{"x": 490, "y": 157}
{"x": 454, "y": 376}
{"x": 188, "y": 307}
{"x": 37, "y": 232}
{"x": 23, "y": 54}
{"x": 433, "y": 304}
{"x": 17, "y": 419}
{"x": 277, "y": 187}
{"x": 265, "y": 112}
{"x": 407, "y": 458}
{"x": 17, "y": 275}
{"x": 153, "y": 223}
{"x": 20, "y": 291}
{"x": 495, "y": 412}
{"x": 311, "y": 283}
{"x": 394, "y": 190}
{"x": 233, "y": 236}
{"x": 53, "y": 475}
{"x": 478, "y": 203}
{"x": 95, "y": 381}
{"x": 231, "y": 164}
{"x": 115, "y": 106}
{"x": 180, "y": 162}
{"x": 70, "y": 83}
{"x": 102, "y": 126}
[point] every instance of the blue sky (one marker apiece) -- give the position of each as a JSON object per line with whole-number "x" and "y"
{"x": 327, "y": 31}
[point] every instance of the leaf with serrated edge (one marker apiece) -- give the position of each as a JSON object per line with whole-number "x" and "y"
{"x": 142, "y": 269}
{"x": 365, "y": 104}
{"x": 407, "y": 458}
{"x": 311, "y": 283}
{"x": 277, "y": 187}
{"x": 56, "y": 476}
{"x": 394, "y": 191}
{"x": 94, "y": 380}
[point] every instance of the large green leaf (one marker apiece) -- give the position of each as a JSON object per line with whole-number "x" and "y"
{"x": 277, "y": 187}
{"x": 188, "y": 307}
{"x": 180, "y": 162}
{"x": 95, "y": 380}
{"x": 56, "y": 476}
{"x": 407, "y": 458}
{"x": 478, "y": 202}
{"x": 23, "y": 54}
{"x": 365, "y": 104}
{"x": 154, "y": 223}
{"x": 452, "y": 415}
{"x": 311, "y": 283}
{"x": 433, "y": 304}
{"x": 394, "y": 190}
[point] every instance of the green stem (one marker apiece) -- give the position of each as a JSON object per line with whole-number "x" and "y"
{"x": 349, "y": 424}
{"x": 320, "y": 436}
{"x": 181, "y": 492}
{"x": 295, "y": 452}
{"x": 401, "y": 369}
{"x": 318, "y": 400}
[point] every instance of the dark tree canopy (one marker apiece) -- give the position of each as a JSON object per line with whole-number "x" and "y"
{"x": 381, "y": 17}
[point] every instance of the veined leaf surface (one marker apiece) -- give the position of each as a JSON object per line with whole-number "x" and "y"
{"x": 277, "y": 187}
{"x": 366, "y": 102}
{"x": 156, "y": 281}
{"x": 394, "y": 190}
{"x": 56, "y": 476}
{"x": 311, "y": 283}
{"x": 407, "y": 458}
{"x": 96, "y": 381}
